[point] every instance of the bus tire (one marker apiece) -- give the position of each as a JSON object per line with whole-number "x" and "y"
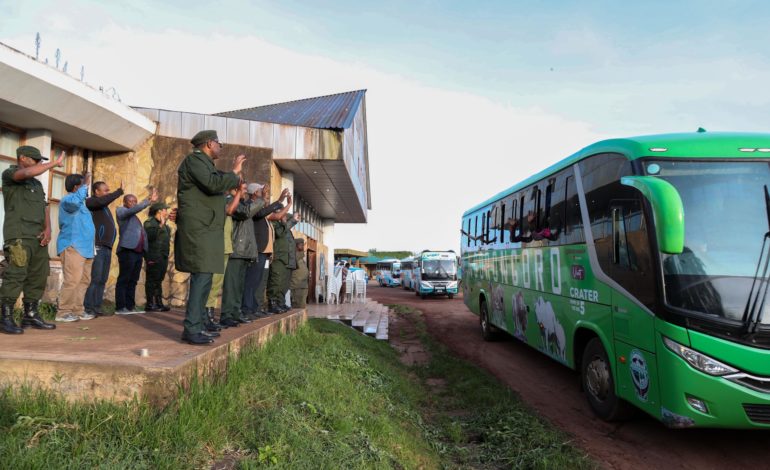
{"x": 423, "y": 296}
{"x": 488, "y": 332}
{"x": 451, "y": 296}
{"x": 599, "y": 384}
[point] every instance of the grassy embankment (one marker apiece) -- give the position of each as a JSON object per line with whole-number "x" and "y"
{"x": 326, "y": 397}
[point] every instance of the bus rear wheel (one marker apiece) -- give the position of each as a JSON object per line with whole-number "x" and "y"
{"x": 488, "y": 332}
{"x": 599, "y": 384}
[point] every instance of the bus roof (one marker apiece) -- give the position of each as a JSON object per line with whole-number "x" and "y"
{"x": 699, "y": 144}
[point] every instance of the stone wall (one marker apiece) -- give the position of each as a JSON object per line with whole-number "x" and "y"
{"x": 154, "y": 165}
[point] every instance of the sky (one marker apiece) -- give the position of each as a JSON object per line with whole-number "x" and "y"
{"x": 464, "y": 98}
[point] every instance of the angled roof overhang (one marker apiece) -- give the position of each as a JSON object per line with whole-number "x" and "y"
{"x": 34, "y": 95}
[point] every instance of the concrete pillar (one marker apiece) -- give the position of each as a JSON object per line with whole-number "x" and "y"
{"x": 42, "y": 139}
{"x": 328, "y": 240}
{"x": 287, "y": 181}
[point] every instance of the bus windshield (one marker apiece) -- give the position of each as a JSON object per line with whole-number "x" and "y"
{"x": 439, "y": 269}
{"x": 725, "y": 223}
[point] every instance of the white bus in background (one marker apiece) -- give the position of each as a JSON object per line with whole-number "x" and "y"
{"x": 389, "y": 272}
{"x": 408, "y": 265}
{"x": 435, "y": 274}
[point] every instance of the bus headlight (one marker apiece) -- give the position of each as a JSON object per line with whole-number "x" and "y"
{"x": 425, "y": 285}
{"x": 697, "y": 360}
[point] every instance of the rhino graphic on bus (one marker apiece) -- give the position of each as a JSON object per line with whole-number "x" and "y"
{"x": 551, "y": 331}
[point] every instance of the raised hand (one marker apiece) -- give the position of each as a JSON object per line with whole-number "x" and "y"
{"x": 154, "y": 195}
{"x": 284, "y": 194}
{"x": 238, "y": 165}
{"x": 60, "y": 159}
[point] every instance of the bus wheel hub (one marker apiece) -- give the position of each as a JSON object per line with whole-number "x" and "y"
{"x": 598, "y": 379}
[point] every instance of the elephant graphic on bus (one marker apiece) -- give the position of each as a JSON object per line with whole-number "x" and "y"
{"x": 551, "y": 331}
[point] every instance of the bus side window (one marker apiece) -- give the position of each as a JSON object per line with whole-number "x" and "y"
{"x": 573, "y": 220}
{"x": 502, "y": 223}
{"x": 468, "y": 233}
{"x": 483, "y": 229}
{"x": 476, "y": 231}
{"x": 514, "y": 220}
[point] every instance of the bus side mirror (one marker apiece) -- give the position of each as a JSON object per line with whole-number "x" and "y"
{"x": 667, "y": 210}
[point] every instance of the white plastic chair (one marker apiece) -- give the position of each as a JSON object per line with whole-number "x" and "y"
{"x": 360, "y": 290}
{"x": 349, "y": 285}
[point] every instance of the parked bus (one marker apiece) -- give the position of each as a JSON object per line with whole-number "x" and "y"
{"x": 408, "y": 265}
{"x": 435, "y": 273}
{"x": 389, "y": 273}
{"x": 643, "y": 264}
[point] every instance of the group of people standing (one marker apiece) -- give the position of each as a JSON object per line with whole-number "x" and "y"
{"x": 227, "y": 231}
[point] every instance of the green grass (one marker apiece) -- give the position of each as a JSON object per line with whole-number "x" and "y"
{"x": 479, "y": 423}
{"x": 324, "y": 398}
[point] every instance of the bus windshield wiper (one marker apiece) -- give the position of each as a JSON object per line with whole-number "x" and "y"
{"x": 755, "y": 304}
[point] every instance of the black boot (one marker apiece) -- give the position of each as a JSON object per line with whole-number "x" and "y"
{"x": 159, "y": 303}
{"x": 151, "y": 305}
{"x": 32, "y": 318}
{"x": 8, "y": 326}
{"x": 208, "y": 321}
{"x": 273, "y": 307}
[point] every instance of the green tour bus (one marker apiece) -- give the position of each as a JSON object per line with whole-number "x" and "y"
{"x": 643, "y": 264}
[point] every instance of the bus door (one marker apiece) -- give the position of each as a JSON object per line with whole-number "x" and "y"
{"x": 631, "y": 266}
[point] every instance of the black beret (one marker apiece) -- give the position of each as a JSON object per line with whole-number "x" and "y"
{"x": 29, "y": 151}
{"x": 204, "y": 136}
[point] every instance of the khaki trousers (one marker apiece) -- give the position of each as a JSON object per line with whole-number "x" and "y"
{"x": 77, "y": 277}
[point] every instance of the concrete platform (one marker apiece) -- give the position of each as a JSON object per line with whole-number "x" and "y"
{"x": 99, "y": 359}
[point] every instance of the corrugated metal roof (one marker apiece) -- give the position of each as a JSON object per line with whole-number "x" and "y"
{"x": 323, "y": 112}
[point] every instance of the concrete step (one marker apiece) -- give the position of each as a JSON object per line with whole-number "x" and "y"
{"x": 382, "y": 327}
{"x": 373, "y": 322}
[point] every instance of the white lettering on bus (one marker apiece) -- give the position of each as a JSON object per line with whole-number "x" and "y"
{"x": 539, "y": 285}
{"x": 555, "y": 271}
{"x": 525, "y": 267}
{"x": 584, "y": 294}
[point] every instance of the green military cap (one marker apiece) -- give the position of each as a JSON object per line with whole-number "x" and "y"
{"x": 30, "y": 151}
{"x": 158, "y": 206}
{"x": 204, "y": 136}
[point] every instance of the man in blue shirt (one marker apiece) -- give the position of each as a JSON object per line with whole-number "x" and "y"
{"x": 75, "y": 246}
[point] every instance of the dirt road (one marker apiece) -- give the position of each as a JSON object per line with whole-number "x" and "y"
{"x": 553, "y": 390}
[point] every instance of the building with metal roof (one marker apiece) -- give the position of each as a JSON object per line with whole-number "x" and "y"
{"x": 322, "y": 112}
{"x": 315, "y": 147}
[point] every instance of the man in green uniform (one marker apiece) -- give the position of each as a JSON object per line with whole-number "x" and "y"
{"x": 27, "y": 232}
{"x": 300, "y": 277}
{"x": 244, "y": 254}
{"x": 156, "y": 256}
{"x": 200, "y": 240}
{"x": 278, "y": 277}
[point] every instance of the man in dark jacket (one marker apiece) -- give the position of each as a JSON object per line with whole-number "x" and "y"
{"x": 278, "y": 278}
{"x": 131, "y": 249}
{"x": 254, "y": 290}
{"x": 244, "y": 254}
{"x": 106, "y": 233}
{"x": 200, "y": 240}
{"x": 156, "y": 257}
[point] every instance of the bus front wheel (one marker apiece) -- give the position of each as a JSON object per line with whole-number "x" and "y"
{"x": 599, "y": 384}
{"x": 487, "y": 330}
{"x": 451, "y": 296}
